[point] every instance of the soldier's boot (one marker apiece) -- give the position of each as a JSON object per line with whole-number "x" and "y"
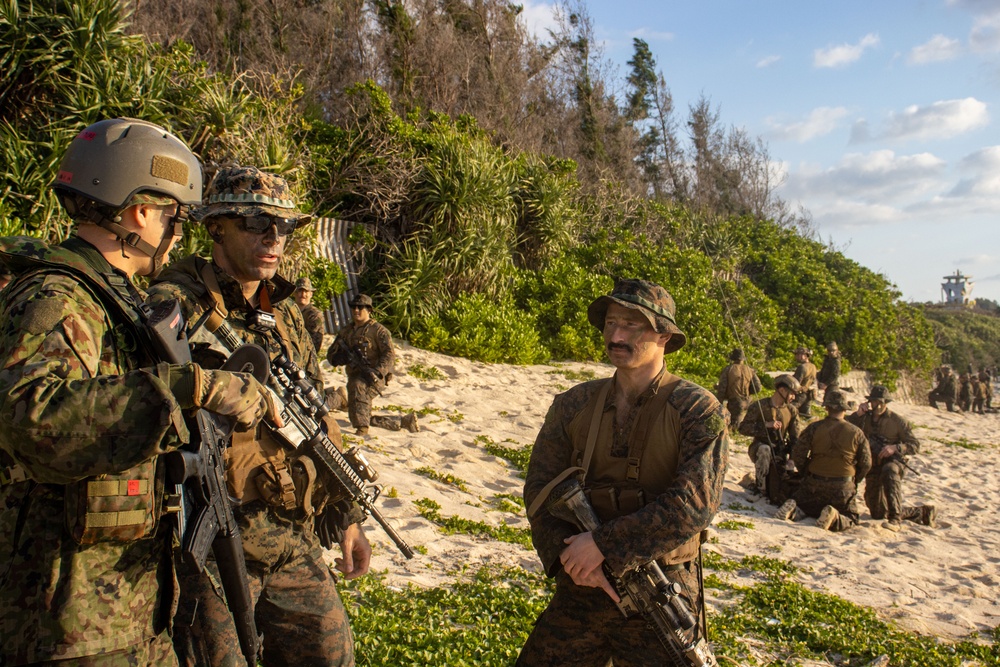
{"x": 361, "y": 430}
{"x": 409, "y": 422}
{"x": 895, "y": 525}
{"x": 787, "y": 511}
{"x": 391, "y": 423}
{"x": 928, "y": 516}
{"x": 762, "y": 466}
{"x": 827, "y": 517}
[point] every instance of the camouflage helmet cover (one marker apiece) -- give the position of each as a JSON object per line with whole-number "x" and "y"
{"x": 878, "y": 392}
{"x": 362, "y": 301}
{"x": 789, "y": 382}
{"x": 304, "y": 284}
{"x": 835, "y": 400}
{"x": 246, "y": 191}
{"x": 654, "y": 302}
{"x": 112, "y": 160}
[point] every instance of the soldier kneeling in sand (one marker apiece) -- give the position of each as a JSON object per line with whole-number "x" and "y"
{"x": 835, "y": 457}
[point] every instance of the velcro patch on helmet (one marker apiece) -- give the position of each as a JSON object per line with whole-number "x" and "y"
{"x": 170, "y": 169}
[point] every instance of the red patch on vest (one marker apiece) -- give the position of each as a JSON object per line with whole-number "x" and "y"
{"x": 133, "y": 487}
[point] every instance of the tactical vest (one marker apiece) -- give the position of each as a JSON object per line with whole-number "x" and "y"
{"x": 114, "y": 507}
{"x": 619, "y": 486}
{"x": 833, "y": 449}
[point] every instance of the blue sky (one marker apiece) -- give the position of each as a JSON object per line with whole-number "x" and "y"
{"x": 883, "y": 115}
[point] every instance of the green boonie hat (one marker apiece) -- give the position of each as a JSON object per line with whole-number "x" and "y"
{"x": 246, "y": 191}
{"x": 878, "y": 392}
{"x": 649, "y": 299}
{"x": 362, "y": 301}
{"x": 304, "y": 284}
{"x": 835, "y": 400}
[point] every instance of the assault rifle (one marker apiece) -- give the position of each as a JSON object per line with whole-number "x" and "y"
{"x": 357, "y": 361}
{"x": 644, "y": 590}
{"x": 301, "y": 408}
{"x": 198, "y": 473}
{"x": 878, "y": 443}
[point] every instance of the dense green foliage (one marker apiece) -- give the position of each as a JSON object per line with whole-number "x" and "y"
{"x": 966, "y": 337}
{"x": 469, "y": 247}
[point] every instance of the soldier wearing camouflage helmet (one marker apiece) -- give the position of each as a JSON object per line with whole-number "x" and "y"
{"x": 829, "y": 374}
{"x": 737, "y": 383}
{"x": 654, "y": 450}
{"x": 805, "y": 374}
{"x": 773, "y": 423}
{"x": 892, "y": 440}
{"x": 364, "y": 348}
{"x": 282, "y": 508}
{"x": 833, "y": 455}
{"x": 89, "y": 409}
{"x": 311, "y": 315}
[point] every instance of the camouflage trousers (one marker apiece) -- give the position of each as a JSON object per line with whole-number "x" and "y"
{"x": 157, "y": 651}
{"x": 582, "y": 627}
{"x": 948, "y": 399}
{"x": 737, "y": 411}
{"x": 803, "y": 400}
{"x": 297, "y": 607}
{"x": 359, "y": 400}
{"x": 815, "y": 493}
{"x": 884, "y": 493}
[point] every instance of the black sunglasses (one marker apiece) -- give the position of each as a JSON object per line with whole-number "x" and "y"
{"x": 258, "y": 224}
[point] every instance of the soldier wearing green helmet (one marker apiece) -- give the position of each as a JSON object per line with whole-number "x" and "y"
{"x": 89, "y": 409}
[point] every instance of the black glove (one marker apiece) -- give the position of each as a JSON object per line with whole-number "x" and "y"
{"x": 331, "y": 524}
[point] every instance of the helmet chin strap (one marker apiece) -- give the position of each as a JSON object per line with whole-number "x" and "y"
{"x": 136, "y": 242}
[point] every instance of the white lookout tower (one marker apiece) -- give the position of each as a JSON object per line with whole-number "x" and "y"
{"x": 955, "y": 290}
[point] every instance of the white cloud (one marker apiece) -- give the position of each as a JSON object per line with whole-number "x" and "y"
{"x": 869, "y": 179}
{"x": 539, "y": 18}
{"x": 819, "y": 122}
{"x": 937, "y": 49}
{"x": 844, "y": 54}
{"x": 652, "y": 35}
{"x": 767, "y": 61}
{"x": 985, "y": 34}
{"x": 981, "y": 7}
{"x": 981, "y": 178}
{"x": 940, "y": 120}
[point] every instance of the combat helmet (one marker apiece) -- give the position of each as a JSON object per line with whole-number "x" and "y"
{"x": 835, "y": 400}
{"x": 879, "y": 392}
{"x": 789, "y": 382}
{"x": 119, "y": 162}
{"x": 304, "y": 284}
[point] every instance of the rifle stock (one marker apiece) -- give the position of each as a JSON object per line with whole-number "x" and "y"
{"x": 645, "y": 590}
{"x": 206, "y": 521}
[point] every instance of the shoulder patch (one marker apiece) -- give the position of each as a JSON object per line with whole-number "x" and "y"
{"x": 42, "y": 316}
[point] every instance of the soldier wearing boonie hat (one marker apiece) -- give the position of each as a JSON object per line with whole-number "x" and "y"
{"x": 250, "y": 214}
{"x": 834, "y": 456}
{"x": 891, "y": 439}
{"x": 312, "y": 315}
{"x": 622, "y": 438}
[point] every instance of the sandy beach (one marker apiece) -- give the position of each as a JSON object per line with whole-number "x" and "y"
{"x": 937, "y": 581}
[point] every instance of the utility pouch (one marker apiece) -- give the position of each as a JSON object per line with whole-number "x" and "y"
{"x": 275, "y": 485}
{"x": 113, "y": 508}
{"x": 611, "y": 502}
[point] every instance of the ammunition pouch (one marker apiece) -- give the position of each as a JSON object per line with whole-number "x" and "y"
{"x": 122, "y": 507}
{"x": 292, "y": 484}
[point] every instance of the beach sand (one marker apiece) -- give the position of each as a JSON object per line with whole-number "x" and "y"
{"x": 937, "y": 581}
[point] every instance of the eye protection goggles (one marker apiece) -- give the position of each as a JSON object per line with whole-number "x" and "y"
{"x": 258, "y": 224}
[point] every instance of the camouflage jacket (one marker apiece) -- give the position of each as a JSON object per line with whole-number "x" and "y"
{"x": 313, "y": 318}
{"x": 829, "y": 374}
{"x": 373, "y": 344}
{"x": 679, "y": 513}
{"x": 889, "y": 429}
{"x": 83, "y": 410}
{"x": 946, "y": 387}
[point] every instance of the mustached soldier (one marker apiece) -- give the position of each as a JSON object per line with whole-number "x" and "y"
{"x": 250, "y": 215}
{"x": 658, "y": 455}
{"x": 88, "y": 410}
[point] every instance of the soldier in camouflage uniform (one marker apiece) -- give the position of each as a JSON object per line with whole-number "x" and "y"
{"x": 892, "y": 440}
{"x": 978, "y": 391}
{"x": 773, "y": 423}
{"x": 736, "y": 383}
{"x": 312, "y": 315}
{"x": 805, "y": 374}
{"x": 987, "y": 382}
{"x": 5, "y": 276}
{"x": 658, "y": 459}
{"x": 364, "y": 348}
{"x": 964, "y": 393}
{"x": 945, "y": 390}
{"x": 829, "y": 374}
{"x": 88, "y": 409}
{"x": 250, "y": 215}
{"x": 834, "y": 456}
